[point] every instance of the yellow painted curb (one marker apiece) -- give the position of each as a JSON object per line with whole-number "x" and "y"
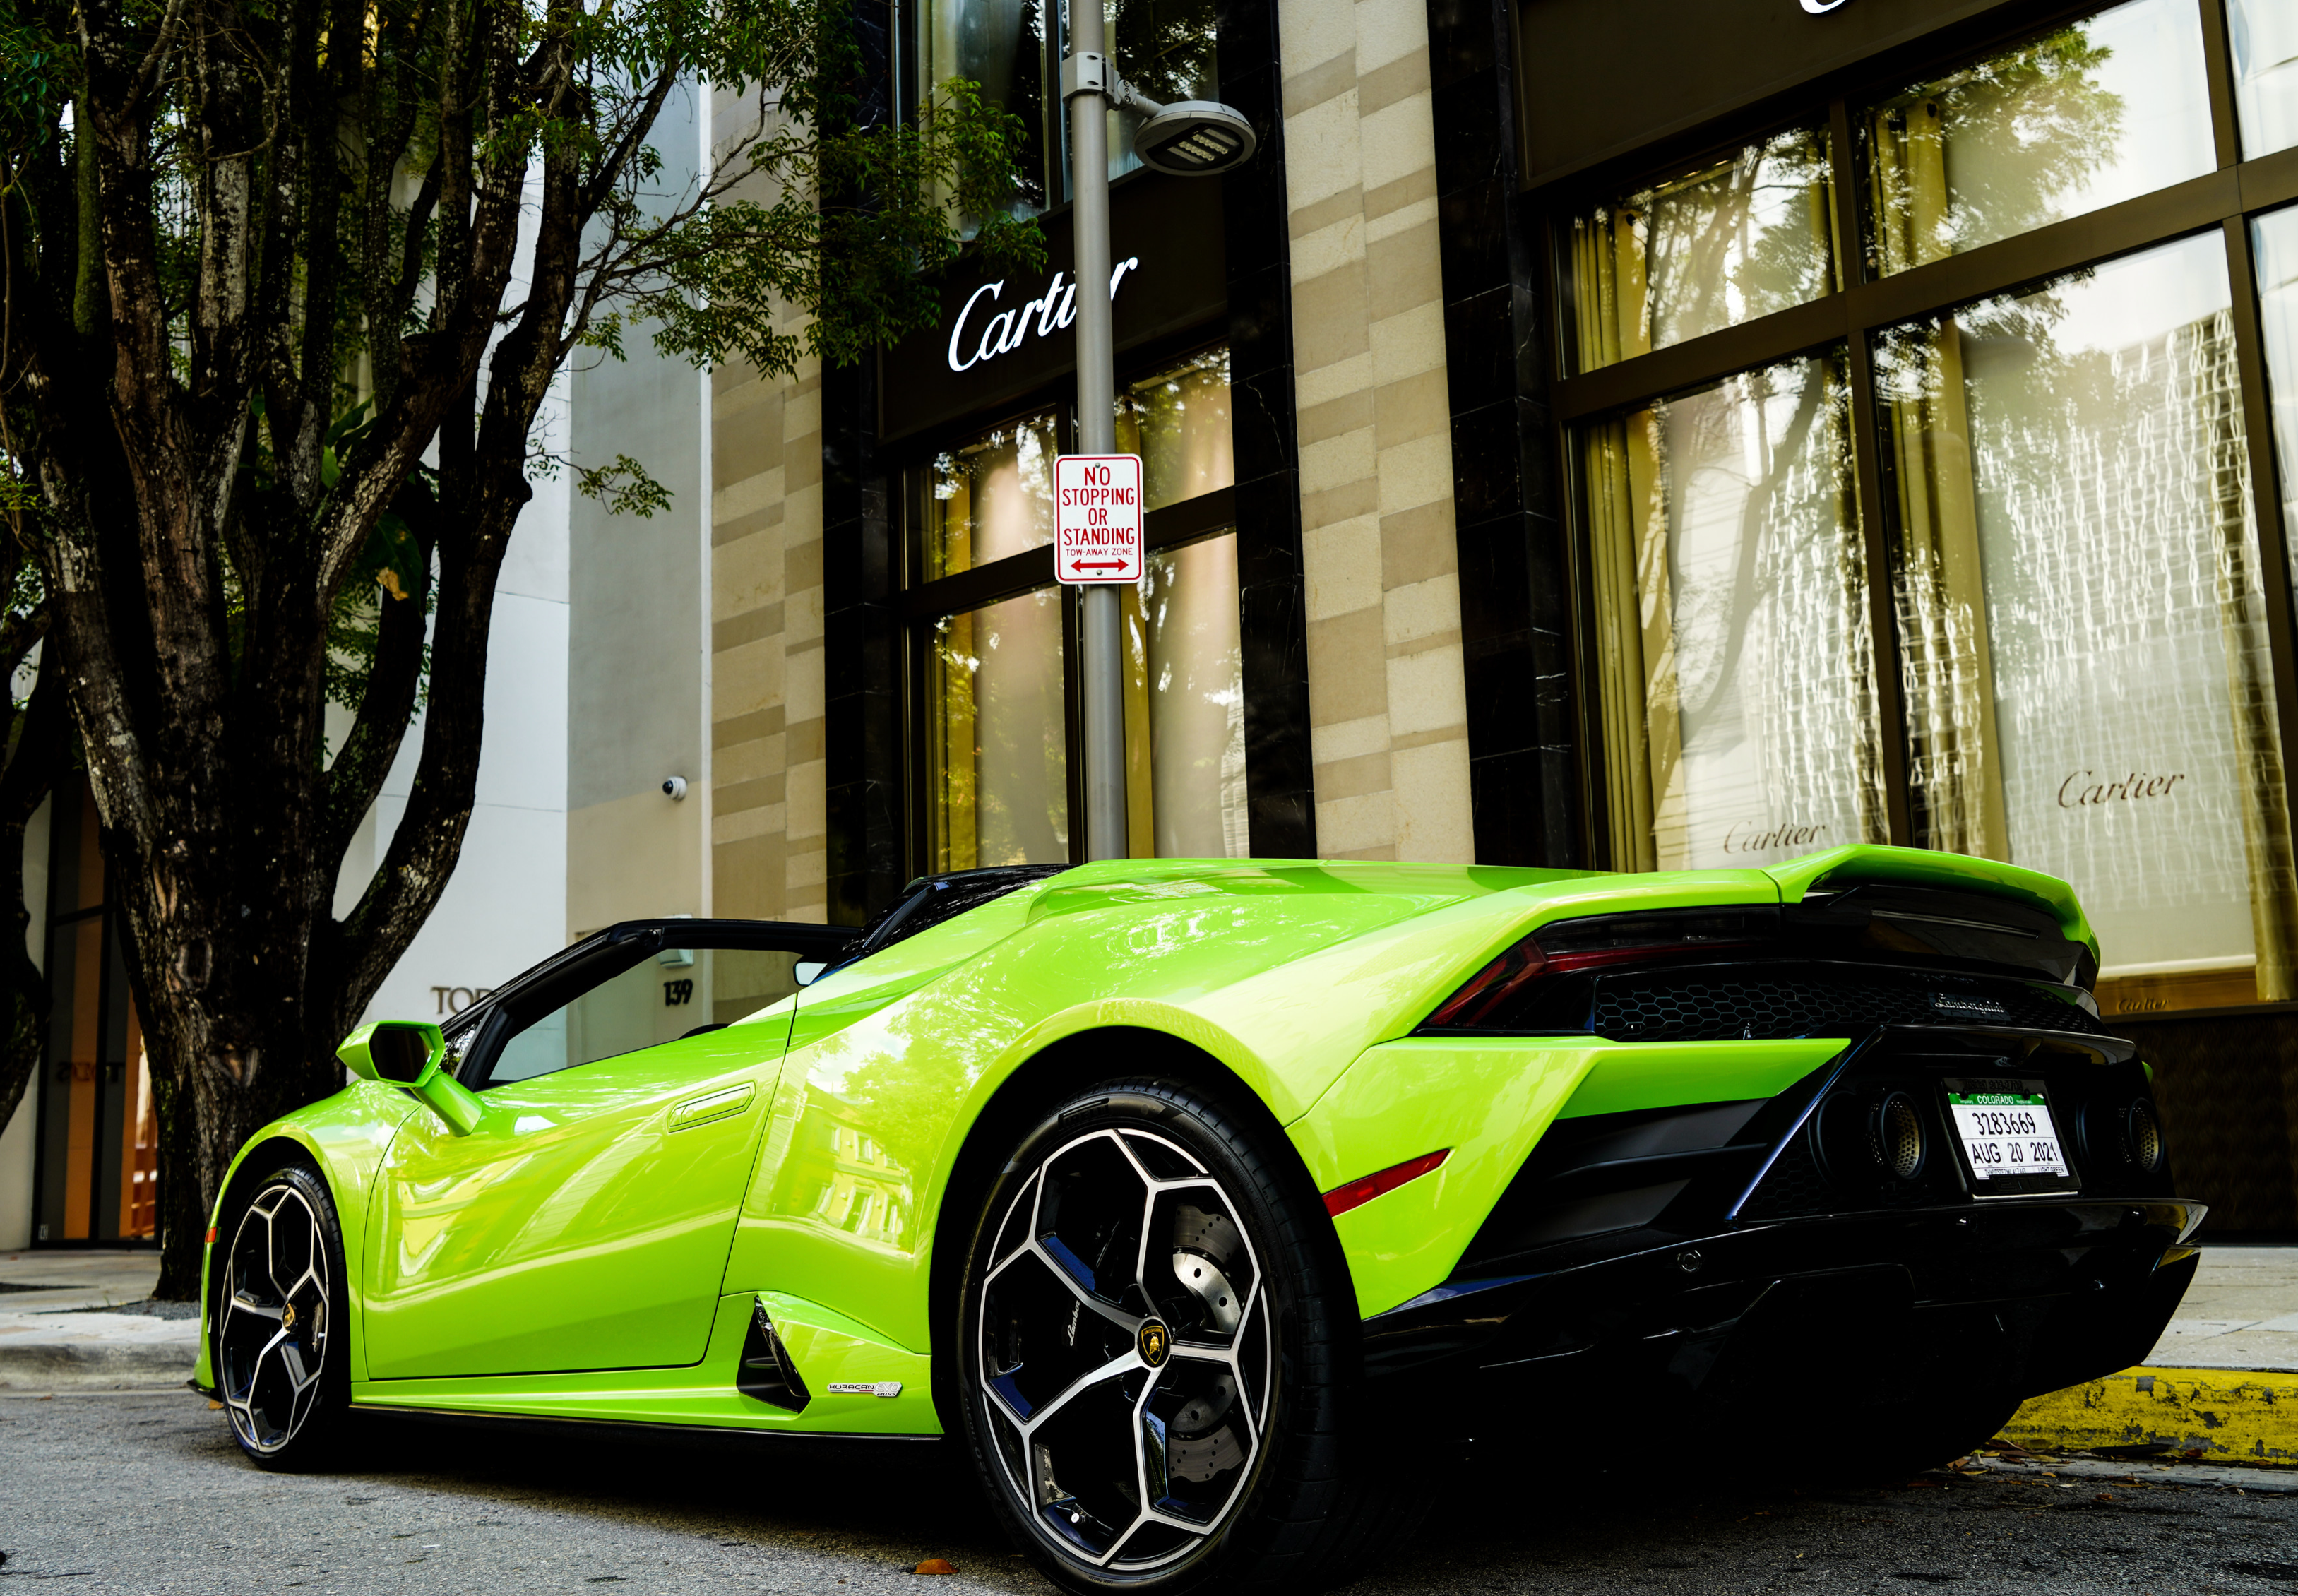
{"x": 2225, "y": 1415}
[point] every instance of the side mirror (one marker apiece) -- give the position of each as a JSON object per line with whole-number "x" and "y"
{"x": 407, "y": 1053}
{"x": 807, "y": 971}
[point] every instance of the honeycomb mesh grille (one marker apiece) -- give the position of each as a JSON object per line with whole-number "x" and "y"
{"x": 1714, "y": 1005}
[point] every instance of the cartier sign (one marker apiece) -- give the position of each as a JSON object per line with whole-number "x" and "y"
{"x": 1005, "y": 331}
{"x": 1007, "y": 339}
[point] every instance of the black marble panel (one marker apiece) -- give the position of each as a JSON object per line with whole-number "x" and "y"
{"x": 1279, "y": 779}
{"x": 1517, "y": 606}
{"x": 862, "y": 742}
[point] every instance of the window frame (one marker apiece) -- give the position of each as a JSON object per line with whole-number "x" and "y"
{"x": 2225, "y": 200}
{"x": 476, "y": 1037}
{"x": 919, "y": 601}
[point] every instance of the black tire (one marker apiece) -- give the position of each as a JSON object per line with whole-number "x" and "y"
{"x": 282, "y": 1346}
{"x": 1220, "y": 1445}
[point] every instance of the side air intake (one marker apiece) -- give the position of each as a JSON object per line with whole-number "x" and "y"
{"x": 767, "y": 1372}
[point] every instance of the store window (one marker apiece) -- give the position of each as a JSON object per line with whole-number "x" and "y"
{"x": 1734, "y": 664}
{"x": 1704, "y": 250}
{"x": 99, "y": 1146}
{"x": 998, "y": 748}
{"x": 1000, "y": 768}
{"x": 2088, "y": 685}
{"x": 1167, "y": 49}
{"x": 1991, "y": 579}
{"x": 1184, "y": 685}
{"x": 2096, "y": 112}
{"x": 2263, "y": 35}
{"x": 991, "y": 498}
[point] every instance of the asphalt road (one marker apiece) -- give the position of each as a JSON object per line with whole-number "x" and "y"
{"x": 147, "y": 1494}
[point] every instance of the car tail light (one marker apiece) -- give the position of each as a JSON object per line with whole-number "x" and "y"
{"x": 1595, "y": 942}
{"x": 1492, "y": 986}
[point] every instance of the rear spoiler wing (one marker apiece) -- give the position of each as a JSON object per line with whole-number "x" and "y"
{"x": 1840, "y": 867}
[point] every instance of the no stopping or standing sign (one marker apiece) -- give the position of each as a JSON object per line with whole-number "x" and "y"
{"x": 1097, "y": 517}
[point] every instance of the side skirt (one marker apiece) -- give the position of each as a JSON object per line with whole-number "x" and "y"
{"x": 859, "y": 1384}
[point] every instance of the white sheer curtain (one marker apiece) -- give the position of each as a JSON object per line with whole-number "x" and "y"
{"x": 1734, "y": 663}
{"x": 2111, "y": 686}
{"x": 1185, "y": 787}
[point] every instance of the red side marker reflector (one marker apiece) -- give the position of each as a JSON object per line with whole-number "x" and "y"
{"x": 210, "y": 1236}
{"x": 1356, "y": 1194}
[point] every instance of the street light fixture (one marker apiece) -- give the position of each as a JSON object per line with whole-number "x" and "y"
{"x": 1194, "y": 138}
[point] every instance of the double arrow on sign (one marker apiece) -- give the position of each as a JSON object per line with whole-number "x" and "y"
{"x": 1096, "y": 565}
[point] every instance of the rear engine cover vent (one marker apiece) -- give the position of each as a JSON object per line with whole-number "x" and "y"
{"x": 1718, "y": 1003}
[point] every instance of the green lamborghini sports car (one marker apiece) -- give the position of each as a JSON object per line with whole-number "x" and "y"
{"x": 1205, "y": 1207}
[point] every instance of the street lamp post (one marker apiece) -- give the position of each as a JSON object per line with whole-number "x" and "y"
{"x": 1192, "y": 139}
{"x": 1104, "y": 665}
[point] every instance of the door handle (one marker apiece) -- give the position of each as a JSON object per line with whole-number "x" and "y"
{"x": 716, "y": 1105}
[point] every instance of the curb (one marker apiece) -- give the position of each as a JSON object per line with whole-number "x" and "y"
{"x": 76, "y": 1365}
{"x": 2203, "y": 1415}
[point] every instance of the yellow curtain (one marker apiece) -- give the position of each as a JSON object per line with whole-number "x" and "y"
{"x": 2250, "y": 678}
{"x": 1942, "y": 600}
{"x": 953, "y": 743}
{"x": 1635, "y": 646}
{"x": 1627, "y": 528}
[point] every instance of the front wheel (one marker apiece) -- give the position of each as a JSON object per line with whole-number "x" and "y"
{"x": 281, "y": 1354}
{"x": 1157, "y": 1348}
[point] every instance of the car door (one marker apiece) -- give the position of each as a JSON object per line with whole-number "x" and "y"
{"x": 584, "y": 1223}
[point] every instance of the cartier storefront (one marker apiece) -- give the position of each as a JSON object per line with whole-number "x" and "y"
{"x": 1910, "y": 422}
{"x": 950, "y": 650}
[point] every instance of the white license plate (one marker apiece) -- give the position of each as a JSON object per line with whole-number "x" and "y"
{"x": 2006, "y": 1129}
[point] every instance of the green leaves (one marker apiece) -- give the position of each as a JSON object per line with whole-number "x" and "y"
{"x": 37, "y": 75}
{"x": 820, "y": 231}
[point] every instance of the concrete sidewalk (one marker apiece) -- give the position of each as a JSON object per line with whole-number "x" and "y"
{"x": 55, "y": 1334}
{"x": 2240, "y": 1312}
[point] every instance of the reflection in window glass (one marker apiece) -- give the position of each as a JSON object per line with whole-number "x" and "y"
{"x": 1165, "y": 48}
{"x": 2088, "y": 686}
{"x": 1013, "y": 49}
{"x": 997, "y": 736}
{"x": 1001, "y": 46}
{"x": 1178, "y": 423}
{"x": 1185, "y": 706}
{"x": 660, "y": 999}
{"x": 1733, "y": 240}
{"x": 2264, "y": 36}
{"x": 990, "y": 498}
{"x": 1733, "y": 655}
{"x": 2098, "y": 112}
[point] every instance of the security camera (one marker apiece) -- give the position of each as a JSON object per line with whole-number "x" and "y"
{"x": 673, "y": 788}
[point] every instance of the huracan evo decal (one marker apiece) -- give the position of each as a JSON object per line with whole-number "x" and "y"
{"x": 1004, "y": 330}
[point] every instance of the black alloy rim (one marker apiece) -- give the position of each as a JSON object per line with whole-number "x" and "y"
{"x": 272, "y": 1343}
{"x": 1125, "y": 1350}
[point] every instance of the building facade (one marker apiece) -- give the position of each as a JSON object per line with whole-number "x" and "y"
{"x": 1601, "y": 435}
{"x": 1594, "y": 433}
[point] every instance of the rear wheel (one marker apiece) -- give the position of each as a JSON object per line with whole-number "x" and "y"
{"x": 1155, "y": 1373}
{"x": 281, "y": 1356}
